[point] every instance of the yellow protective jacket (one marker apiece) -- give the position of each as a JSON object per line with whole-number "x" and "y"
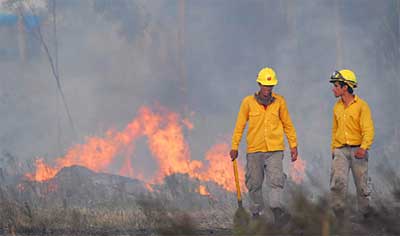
{"x": 352, "y": 125}
{"x": 266, "y": 126}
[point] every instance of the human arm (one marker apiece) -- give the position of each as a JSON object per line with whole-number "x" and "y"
{"x": 241, "y": 121}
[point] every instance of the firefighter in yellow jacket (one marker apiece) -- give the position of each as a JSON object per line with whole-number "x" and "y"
{"x": 352, "y": 136}
{"x": 268, "y": 119}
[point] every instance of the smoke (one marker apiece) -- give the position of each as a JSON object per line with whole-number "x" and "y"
{"x": 200, "y": 62}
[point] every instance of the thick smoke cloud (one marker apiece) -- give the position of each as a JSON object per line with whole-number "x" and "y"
{"x": 115, "y": 56}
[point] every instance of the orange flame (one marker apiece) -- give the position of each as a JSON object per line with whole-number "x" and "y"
{"x": 166, "y": 142}
{"x": 220, "y": 168}
{"x": 96, "y": 154}
{"x": 297, "y": 170}
{"x": 43, "y": 171}
{"x": 203, "y": 190}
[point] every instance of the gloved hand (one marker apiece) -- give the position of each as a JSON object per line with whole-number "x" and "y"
{"x": 360, "y": 153}
{"x": 233, "y": 154}
{"x": 293, "y": 154}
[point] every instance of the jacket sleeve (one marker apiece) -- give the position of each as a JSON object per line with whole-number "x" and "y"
{"x": 241, "y": 121}
{"x": 334, "y": 129}
{"x": 288, "y": 126}
{"x": 367, "y": 127}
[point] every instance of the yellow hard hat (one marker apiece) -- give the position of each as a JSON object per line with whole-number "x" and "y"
{"x": 346, "y": 76}
{"x": 267, "y": 77}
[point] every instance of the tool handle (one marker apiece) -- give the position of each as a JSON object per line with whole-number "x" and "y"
{"x": 235, "y": 171}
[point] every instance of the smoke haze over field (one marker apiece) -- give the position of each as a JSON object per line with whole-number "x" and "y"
{"x": 199, "y": 59}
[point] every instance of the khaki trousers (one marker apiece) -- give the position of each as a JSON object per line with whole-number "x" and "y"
{"x": 343, "y": 161}
{"x": 258, "y": 165}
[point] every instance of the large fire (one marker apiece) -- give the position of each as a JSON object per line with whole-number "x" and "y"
{"x": 166, "y": 142}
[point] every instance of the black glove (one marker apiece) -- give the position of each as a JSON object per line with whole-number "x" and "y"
{"x": 233, "y": 154}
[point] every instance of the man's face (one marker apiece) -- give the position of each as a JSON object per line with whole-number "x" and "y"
{"x": 266, "y": 90}
{"x": 337, "y": 90}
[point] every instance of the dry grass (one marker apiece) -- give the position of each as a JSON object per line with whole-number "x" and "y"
{"x": 156, "y": 215}
{"x": 148, "y": 216}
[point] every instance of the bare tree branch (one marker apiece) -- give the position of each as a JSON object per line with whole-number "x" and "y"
{"x": 53, "y": 63}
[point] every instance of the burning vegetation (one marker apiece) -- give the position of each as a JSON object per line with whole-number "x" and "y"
{"x": 165, "y": 139}
{"x": 101, "y": 187}
{"x": 79, "y": 193}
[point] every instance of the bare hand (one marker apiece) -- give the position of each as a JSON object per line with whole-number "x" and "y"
{"x": 233, "y": 154}
{"x": 293, "y": 154}
{"x": 360, "y": 153}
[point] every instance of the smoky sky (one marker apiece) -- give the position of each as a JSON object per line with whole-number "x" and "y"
{"x": 199, "y": 58}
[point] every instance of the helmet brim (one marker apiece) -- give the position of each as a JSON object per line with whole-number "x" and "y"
{"x": 269, "y": 83}
{"x": 350, "y": 84}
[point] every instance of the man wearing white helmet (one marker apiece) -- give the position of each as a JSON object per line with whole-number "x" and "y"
{"x": 352, "y": 136}
{"x": 268, "y": 119}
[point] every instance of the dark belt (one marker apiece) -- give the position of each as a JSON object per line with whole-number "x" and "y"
{"x": 347, "y": 145}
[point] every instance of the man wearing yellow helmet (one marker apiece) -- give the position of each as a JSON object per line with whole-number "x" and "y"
{"x": 352, "y": 136}
{"x": 268, "y": 119}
